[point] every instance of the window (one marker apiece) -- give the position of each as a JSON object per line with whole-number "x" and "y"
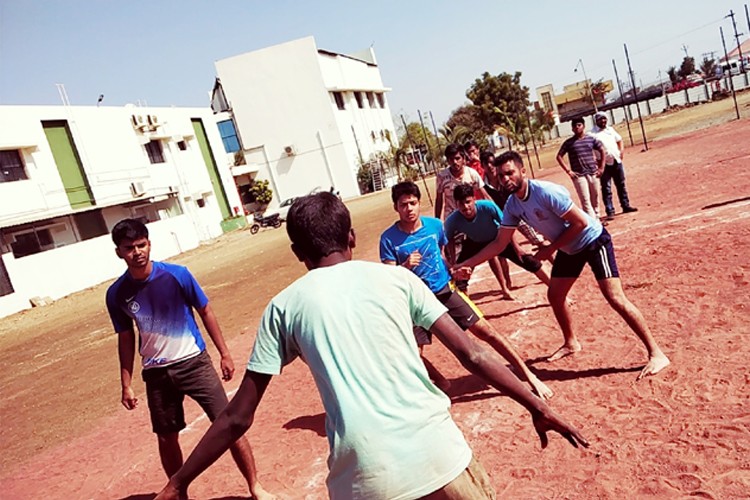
{"x": 31, "y": 243}
{"x": 155, "y": 152}
{"x": 381, "y": 100}
{"x": 360, "y": 101}
{"x": 339, "y": 98}
{"x": 11, "y": 166}
{"x": 371, "y": 100}
{"x": 228, "y": 133}
{"x": 547, "y": 101}
{"x": 182, "y": 145}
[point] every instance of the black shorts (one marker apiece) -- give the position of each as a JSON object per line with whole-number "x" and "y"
{"x": 470, "y": 248}
{"x": 166, "y": 388}
{"x": 599, "y": 254}
{"x": 460, "y": 307}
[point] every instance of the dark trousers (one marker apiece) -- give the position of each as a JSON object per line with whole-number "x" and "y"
{"x": 614, "y": 172}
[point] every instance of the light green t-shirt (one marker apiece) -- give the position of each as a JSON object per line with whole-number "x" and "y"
{"x": 389, "y": 430}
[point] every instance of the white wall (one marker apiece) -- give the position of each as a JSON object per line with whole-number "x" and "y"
{"x": 280, "y": 97}
{"x": 62, "y": 271}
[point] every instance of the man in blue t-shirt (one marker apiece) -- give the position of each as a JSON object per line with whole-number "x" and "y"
{"x": 579, "y": 240}
{"x": 474, "y": 226}
{"x": 158, "y": 299}
{"x": 416, "y": 243}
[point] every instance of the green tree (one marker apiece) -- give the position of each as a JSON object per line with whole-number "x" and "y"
{"x": 503, "y": 102}
{"x": 468, "y": 116}
{"x": 708, "y": 67}
{"x": 687, "y": 67}
{"x": 259, "y": 192}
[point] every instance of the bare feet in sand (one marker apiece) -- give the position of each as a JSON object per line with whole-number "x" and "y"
{"x": 507, "y": 296}
{"x": 656, "y": 363}
{"x": 565, "y": 350}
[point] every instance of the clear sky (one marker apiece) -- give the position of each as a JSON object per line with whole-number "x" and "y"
{"x": 162, "y": 52}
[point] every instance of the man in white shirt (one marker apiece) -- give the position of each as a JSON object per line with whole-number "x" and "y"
{"x": 613, "y": 169}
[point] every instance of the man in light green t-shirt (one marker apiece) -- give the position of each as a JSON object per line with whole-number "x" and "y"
{"x": 389, "y": 430}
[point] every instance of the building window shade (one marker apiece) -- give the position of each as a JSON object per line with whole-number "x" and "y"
{"x": 11, "y": 166}
{"x": 155, "y": 152}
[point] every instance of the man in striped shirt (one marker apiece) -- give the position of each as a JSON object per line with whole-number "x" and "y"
{"x": 584, "y": 169}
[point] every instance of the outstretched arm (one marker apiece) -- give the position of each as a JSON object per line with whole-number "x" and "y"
{"x": 504, "y": 236}
{"x": 228, "y": 427}
{"x": 214, "y": 331}
{"x": 482, "y": 362}
{"x": 126, "y": 353}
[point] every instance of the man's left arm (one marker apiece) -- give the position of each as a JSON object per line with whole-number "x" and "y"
{"x": 214, "y": 331}
{"x": 577, "y": 223}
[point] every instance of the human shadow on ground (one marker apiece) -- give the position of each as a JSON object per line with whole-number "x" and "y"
{"x": 315, "y": 423}
{"x": 140, "y": 496}
{"x": 469, "y": 388}
{"x": 516, "y": 311}
{"x": 563, "y": 374}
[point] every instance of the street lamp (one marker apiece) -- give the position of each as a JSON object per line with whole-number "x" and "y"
{"x": 586, "y": 82}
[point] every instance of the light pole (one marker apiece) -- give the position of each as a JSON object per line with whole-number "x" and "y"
{"x": 586, "y": 82}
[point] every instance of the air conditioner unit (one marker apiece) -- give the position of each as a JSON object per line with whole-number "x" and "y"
{"x": 136, "y": 189}
{"x": 139, "y": 122}
{"x": 289, "y": 150}
{"x": 153, "y": 120}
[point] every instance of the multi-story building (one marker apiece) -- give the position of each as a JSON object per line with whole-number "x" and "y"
{"x": 69, "y": 173}
{"x": 304, "y": 118}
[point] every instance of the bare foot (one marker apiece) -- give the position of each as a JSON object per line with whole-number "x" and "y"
{"x": 565, "y": 350}
{"x": 260, "y": 493}
{"x": 656, "y": 363}
{"x": 541, "y": 388}
{"x": 507, "y": 296}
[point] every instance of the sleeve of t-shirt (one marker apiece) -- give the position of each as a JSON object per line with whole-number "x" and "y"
{"x": 598, "y": 145}
{"x": 425, "y": 308}
{"x": 442, "y": 239}
{"x": 387, "y": 252}
{"x": 120, "y": 321}
{"x": 494, "y": 210}
{"x": 510, "y": 218}
{"x": 557, "y": 199}
{"x": 190, "y": 287}
{"x": 449, "y": 227}
{"x": 273, "y": 347}
{"x": 476, "y": 179}
{"x": 563, "y": 149}
{"x": 616, "y": 135}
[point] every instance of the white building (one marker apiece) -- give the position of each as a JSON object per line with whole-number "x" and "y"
{"x": 68, "y": 174}
{"x": 305, "y": 118}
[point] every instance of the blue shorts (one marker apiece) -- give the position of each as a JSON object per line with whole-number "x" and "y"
{"x": 599, "y": 254}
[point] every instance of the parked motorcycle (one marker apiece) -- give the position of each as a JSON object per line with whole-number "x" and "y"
{"x": 260, "y": 221}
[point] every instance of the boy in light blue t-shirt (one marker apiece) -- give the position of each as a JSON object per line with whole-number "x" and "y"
{"x": 390, "y": 432}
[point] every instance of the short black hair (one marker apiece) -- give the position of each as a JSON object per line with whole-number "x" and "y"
{"x": 318, "y": 225}
{"x": 578, "y": 120}
{"x": 484, "y": 156}
{"x": 463, "y": 191}
{"x": 451, "y": 150}
{"x": 470, "y": 143}
{"x": 128, "y": 229}
{"x": 403, "y": 189}
{"x": 508, "y": 156}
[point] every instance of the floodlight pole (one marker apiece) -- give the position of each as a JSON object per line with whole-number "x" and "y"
{"x": 731, "y": 79}
{"x": 635, "y": 95}
{"x": 622, "y": 99}
{"x": 586, "y": 82}
{"x": 737, "y": 38}
{"x": 406, "y": 129}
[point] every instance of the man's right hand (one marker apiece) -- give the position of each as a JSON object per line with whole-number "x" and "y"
{"x": 413, "y": 261}
{"x": 550, "y": 421}
{"x": 572, "y": 175}
{"x": 129, "y": 401}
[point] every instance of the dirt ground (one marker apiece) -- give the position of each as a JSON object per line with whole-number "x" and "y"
{"x": 685, "y": 432}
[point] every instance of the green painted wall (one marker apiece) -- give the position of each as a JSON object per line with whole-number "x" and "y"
{"x": 68, "y": 163}
{"x": 213, "y": 171}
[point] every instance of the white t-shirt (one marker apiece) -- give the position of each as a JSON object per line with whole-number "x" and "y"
{"x": 389, "y": 430}
{"x": 609, "y": 139}
{"x": 445, "y": 183}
